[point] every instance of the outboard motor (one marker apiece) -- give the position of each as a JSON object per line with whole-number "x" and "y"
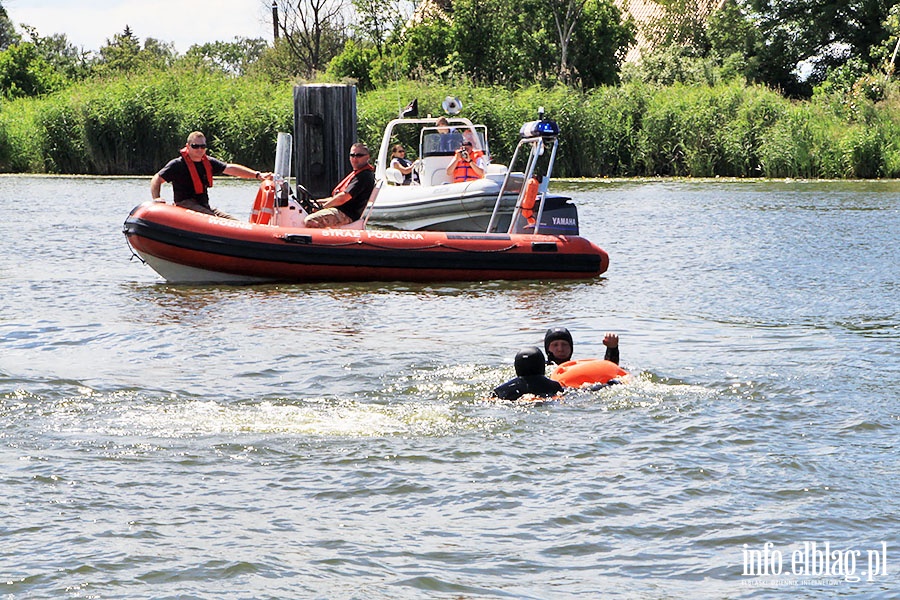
{"x": 559, "y": 217}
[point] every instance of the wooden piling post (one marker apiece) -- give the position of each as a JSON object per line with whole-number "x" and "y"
{"x": 324, "y": 129}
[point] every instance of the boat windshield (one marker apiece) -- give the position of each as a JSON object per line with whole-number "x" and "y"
{"x": 441, "y": 141}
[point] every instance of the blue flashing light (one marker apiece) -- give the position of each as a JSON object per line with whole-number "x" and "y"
{"x": 546, "y": 127}
{"x": 542, "y": 128}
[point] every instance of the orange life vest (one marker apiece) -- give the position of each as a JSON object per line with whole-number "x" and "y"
{"x": 345, "y": 182}
{"x": 192, "y": 169}
{"x": 463, "y": 170}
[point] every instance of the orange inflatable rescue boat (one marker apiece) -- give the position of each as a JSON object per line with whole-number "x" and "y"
{"x": 185, "y": 246}
{"x": 576, "y": 373}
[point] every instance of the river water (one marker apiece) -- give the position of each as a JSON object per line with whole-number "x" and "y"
{"x": 334, "y": 441}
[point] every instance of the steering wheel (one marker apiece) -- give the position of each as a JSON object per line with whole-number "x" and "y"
{"x": 302, "y": 192}
{"x": 306, "y": 200}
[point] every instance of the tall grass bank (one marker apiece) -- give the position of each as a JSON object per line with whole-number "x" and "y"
{"x": 132, "y": 125}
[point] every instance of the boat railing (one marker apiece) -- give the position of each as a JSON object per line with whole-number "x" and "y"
{"x": 493, "y": 223}
{"x": 367, "y": 211}
{"x": 536, "y": 136}
{"x": 542, "y": 188}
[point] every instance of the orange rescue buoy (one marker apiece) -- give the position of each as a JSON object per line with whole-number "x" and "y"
{"x": 529, "y": 198}
{"x": 576, "y": 373}
{"x": 264, "y": 204}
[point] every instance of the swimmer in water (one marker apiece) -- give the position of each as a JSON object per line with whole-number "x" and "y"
{"x": 558, "y": 345}
{"x": 530, "y": 378}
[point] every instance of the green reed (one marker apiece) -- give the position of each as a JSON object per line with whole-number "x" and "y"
{"x": 134, "y": 124}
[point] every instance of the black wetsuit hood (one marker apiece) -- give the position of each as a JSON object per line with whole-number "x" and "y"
{"x": 553, "y": 334}
{"x": 529, "y": 361}
{"x": 530, "y": 377}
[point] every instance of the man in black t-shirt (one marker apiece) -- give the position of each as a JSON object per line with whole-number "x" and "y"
{"x": 191, "y": 175}
{"x": 349, "y": 198}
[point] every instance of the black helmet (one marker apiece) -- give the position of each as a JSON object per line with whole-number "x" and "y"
{"x": 557, "y": 333}
{"x": 529, "y": 361}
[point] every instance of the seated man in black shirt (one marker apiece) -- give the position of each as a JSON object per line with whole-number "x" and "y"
{"x": 349, "y": 198}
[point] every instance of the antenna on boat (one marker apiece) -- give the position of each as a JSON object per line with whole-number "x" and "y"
{"x": 452, "y": 105}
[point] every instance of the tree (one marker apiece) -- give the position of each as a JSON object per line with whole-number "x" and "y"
{"x": 732, "y": 32}
{"x": 682, "y": 23}
{"x": 376, "y": 19}
{"x": 735, "y": 42}
{"x": 233, "y": 58}
{"x": 566, "y": 14}
{"x": 356, "y": 62}
{"x": 313, "y": 31}
{"x": 600, "y": 41}
{"x": 23, "y": 72}
{"x": 8, "y": 35}
{"x": 277, "y": 63}
{"x": 71, "y": 62}
{"x": 497, "y": 42}
{"x": 819, "y": 33}
{"x": 426, "y": 46}
{"x": 157, "y": 54}
{"x": 123, "y": 54}
{"x": 889, "y": 51}
{"x": 477, "y": 47}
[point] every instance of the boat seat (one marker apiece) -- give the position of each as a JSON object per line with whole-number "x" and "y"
{"x": 496, "y": 172}
{"x": 495, "y": 169}
{"x": 434, "y": 170}
{"x": 393, "y": 176}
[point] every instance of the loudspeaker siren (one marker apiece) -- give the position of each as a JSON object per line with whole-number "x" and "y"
{"x": 452, "y": 105}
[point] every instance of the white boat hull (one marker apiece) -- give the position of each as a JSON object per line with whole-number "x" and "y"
{"x": 452, "y": 207}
